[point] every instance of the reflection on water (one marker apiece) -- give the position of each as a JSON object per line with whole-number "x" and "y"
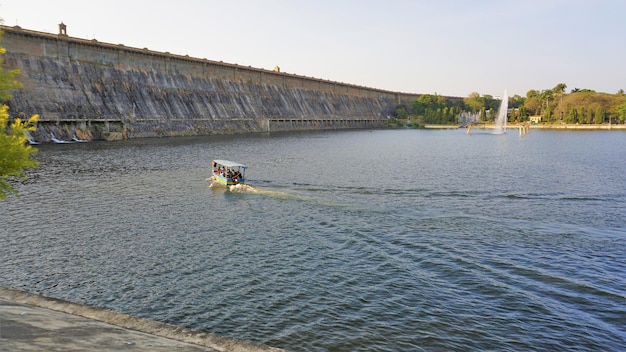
{"x": 361, "y": 240}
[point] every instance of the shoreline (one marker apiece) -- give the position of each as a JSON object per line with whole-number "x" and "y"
{"x": 19, "y": 309}
{"x": 539, "y": 127}
{"x": 579, "y": 127}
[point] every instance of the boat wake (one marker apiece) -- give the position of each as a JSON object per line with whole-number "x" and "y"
{"x": 248, "y": 189}
{"x": 242, "y": 188}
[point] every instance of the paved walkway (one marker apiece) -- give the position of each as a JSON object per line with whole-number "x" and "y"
{"x": 30, "y": 322}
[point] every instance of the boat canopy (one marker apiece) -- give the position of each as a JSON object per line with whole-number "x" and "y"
{"x": 229, "y": 164}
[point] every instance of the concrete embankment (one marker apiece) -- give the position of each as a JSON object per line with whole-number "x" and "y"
{"x": 566, "y": 126}
{"x": 30, "y": 322}
{"x": 98, "y": 90}
{"x": 514, "y": 126}
{"x": 579, "y": 127}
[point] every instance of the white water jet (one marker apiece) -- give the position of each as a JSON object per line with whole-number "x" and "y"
{"x": 501, "y": 118}
{"x": 466, "y": 118}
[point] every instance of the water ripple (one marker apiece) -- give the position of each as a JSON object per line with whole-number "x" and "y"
{"x": 441, "y": 258}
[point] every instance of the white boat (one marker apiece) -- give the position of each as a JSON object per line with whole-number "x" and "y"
{"x": 228, "y": 173}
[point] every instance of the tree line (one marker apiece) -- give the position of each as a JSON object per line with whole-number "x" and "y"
{"x": 582, "y": 106}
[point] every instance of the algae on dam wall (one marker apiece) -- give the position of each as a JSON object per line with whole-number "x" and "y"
{"x": 102, "y": 90}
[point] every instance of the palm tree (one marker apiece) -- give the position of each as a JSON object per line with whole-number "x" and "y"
{"x": 560, "y": 89}
{"x": 545, "y": 97}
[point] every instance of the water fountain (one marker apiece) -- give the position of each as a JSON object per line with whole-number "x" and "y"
{"x": 467, "y": 118}
{"x": 501, "y": 118}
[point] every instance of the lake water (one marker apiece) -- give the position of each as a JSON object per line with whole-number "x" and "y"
{"x": 380, "y": 240}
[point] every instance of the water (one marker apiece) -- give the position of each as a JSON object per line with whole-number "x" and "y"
{"x": 466, "y": 118}
{"x": 502, "y": 111}
{"x": 347, "y": 241}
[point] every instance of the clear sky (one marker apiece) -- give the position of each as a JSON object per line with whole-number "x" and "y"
{"x": 448, "y": 47}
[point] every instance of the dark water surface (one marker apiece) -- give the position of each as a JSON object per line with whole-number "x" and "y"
{"x": 347, "y": 241}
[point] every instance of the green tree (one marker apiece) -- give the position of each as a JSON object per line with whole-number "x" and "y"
{"x": 621, "y": 112}
{"x": 15, "y": 153}
{"x": 492, "y": 114}
{"x": 532, "y": 103}
{"x": 582, "y": 115}
{"x": 521, "y": 114}
{"x": 516, "y": 101}
{"x": 559, "y": 90}
{"x": 548, "y": 114}
{"x": 427, "y": 101}
{"x": 589, "y": 115}
{"x": 570, "y": 116}
{"x": 474, "y": 102}
{"x": 491, "y": 103}
{"x": 483, "y": 114}
{"x": 547, "y": 97}
{"x": 532, "y": 93}
{"x": 401, "y": 112}
{"x": 598, "y": 116}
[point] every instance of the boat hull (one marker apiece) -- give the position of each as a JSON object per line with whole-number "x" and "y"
{"x": 227, "y": 181}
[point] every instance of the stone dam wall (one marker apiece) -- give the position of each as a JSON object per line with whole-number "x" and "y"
{"x": 92, "y": 90}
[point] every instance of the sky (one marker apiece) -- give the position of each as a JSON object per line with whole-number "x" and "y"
{"x": 445, "y": 47}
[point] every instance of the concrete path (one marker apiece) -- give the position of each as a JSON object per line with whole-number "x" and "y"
{"x": 30, "y": 322}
